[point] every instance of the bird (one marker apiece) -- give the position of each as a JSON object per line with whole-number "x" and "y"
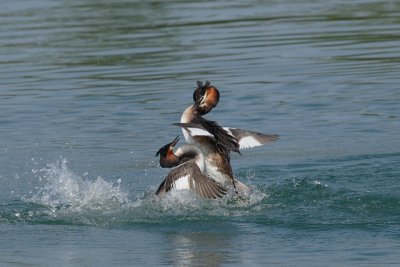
{"x": 188, "y": 171}
{"x": 214, "y": 141}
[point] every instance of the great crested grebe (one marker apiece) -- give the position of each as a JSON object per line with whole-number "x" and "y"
{"x": 189, "y": 171}
{"x": 215, "y": 141}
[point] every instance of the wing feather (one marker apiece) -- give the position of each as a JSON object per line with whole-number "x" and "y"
{"x": 197, "y": 181}
{"x": 248, "y": 139}
{"x": 224, "y": 141}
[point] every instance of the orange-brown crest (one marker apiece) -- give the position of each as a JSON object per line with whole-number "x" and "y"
{"x": 212, "y": 96}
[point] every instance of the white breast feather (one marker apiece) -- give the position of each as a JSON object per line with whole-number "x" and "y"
{"x": 187, "y": 136}
{"x": 182, "y": 183}
{"x": 249, "y": 141}
{"x": 212, "y": 171}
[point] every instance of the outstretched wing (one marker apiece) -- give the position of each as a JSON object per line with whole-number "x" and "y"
{"x": 188, "y": 176}
{"x": 248, "y": 139}
{"x": 229, "y": 138}
{"x": 202, "y": 127}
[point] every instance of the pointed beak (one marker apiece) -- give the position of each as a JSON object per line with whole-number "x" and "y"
{"x": 173, "y": 143}
{"x": 168, "y": 147}
{"x": 197, "y": 104}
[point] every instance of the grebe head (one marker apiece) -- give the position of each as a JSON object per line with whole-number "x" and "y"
{"x": 167, "y": 157}
{"x": 205, "y": 97}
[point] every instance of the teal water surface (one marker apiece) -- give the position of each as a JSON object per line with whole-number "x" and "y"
{"x": 89, "y": 91}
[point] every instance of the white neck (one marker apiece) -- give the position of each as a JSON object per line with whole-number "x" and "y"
{"x": 187, "y": 115}
{"x": 188, "y": 148}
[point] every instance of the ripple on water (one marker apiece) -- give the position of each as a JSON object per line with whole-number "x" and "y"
{"x": 319, "y": 198}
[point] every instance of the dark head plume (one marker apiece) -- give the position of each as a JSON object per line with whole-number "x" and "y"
{"x": 200, "y": 90}
{"x": 205, "y": 97}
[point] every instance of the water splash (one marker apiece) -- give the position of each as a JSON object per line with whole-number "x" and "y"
{"x": 64, "y": 188}
{"x": 65, "y": 197}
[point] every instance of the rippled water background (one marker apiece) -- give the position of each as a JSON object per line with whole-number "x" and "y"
{"x": 88, "y": 92}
